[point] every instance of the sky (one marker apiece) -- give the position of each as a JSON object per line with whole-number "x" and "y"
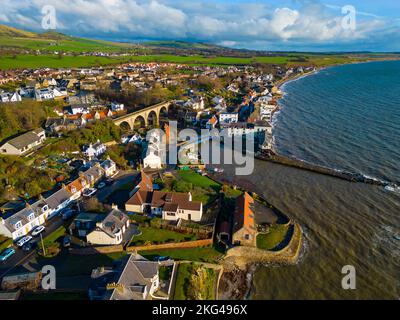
{"x": 287, "y": 25}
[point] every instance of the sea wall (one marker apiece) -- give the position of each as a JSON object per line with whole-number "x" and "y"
{"x": 242, "y": 256}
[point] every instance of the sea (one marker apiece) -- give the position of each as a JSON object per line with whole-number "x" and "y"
{"x": 346, "y": 118}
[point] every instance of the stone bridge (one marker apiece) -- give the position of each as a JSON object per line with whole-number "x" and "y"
{"x": 144, "y": 117}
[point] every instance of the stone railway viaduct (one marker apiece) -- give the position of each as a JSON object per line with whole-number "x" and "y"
{"x": 144, "y": 117}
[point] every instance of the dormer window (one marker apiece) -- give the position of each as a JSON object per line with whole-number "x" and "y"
{"x": 73, "y": 189}
{"x": 45, "y": 208}
{"x": 31, "y": 216}
{"x": 18, "y": 225}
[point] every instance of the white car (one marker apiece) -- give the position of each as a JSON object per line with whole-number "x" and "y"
{"x": 38, "y": 230}
{"x": 23, "y": 240}
{"x": 89, "y": 192}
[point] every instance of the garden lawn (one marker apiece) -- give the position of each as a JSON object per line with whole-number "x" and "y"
{"x": 201, "y": 254}
{"x": 273, "y": 238}
{"x": 54, "y": 236}
{"x": 158, "y": 236}
{"x": 198, "y": 180}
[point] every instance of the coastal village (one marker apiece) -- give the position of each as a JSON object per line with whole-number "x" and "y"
{"x": 106, "y": 212}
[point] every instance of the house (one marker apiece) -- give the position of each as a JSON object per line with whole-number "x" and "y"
{"x": 93, "y": 174}
{"x": 218, "y": 100}
{"x": 155, "y": 156}
{"x": 191, "y": 116}
{"x": 44, "y": 94}
{"x": 135, "y": 278}
{"x": 117, "y": 106}
{"x": 10, "y": 97}
{"x": 95, "y": 150}
{"x": 212, "y": 122}
{"x": 227, "y": 117}
{"x": 60, "y": 92}
{"x": 196, "y": 103}
{"x": 84, "y": 223}
{"x": 168, "y": 205}
{"x": 23, "y": 143}
{"x": 244, "y": 229}
{"x": 21, "y": 223}
{"x": 110, "y": 230}
{"x": 17, "y": 224}
{"x": 152, "y": 160}
{"x": 109, "y": 167}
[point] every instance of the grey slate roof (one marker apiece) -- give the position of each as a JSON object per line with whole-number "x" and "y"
{"x": 24, "y": 140}
{"x": 134, "y": 275}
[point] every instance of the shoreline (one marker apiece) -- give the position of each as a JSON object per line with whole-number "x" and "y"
{"x": 273, "y": 154}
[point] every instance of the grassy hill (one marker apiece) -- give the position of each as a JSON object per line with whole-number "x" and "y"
{"x": 54, "y": 41}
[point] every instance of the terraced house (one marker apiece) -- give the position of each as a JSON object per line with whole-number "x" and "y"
{"x": 16, "y": 225}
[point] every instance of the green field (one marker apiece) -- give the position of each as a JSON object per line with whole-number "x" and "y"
{"x": 69, "y": 61}
{"x": 53, "y": 61}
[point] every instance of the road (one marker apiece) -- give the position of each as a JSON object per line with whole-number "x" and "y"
{"x": 20, "y": 257}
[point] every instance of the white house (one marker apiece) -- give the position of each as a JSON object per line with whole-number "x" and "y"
{"x": 44, "y": 94}
{"x": 117, "y": 106}
{"x": 95, "y": 150}
{"x": 153, "y": 161}
{"x": 227, "y": 117}
{"x": 10, "y": 97}
{"x": 109, "y": 167}
{"x": 110, "y": 230}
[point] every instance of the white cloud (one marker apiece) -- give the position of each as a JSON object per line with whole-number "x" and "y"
{"x": 233, "y": 24}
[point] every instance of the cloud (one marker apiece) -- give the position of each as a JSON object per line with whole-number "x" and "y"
{"x": 306, "y": 22}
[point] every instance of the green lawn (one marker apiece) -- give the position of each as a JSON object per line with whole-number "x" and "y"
{"x": 55, "y": 235}
{"x": 273, "y": 238}
{"x": 158, "y": 236}
{"x": 194, "y": 283}
{"x": 204, "y": 254}
{"x": 198, "y": 180}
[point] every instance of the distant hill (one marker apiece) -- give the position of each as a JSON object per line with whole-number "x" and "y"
{"x": 6, "y": 31}
{"x": 55, "y": 41}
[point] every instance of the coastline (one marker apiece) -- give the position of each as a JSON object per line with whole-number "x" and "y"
{"x": 273, "y": 154}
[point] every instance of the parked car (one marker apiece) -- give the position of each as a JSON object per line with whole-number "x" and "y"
{"x": 23, "y": 240}
{"x": 38, "y": 230}
{"x": 109, "y": 181}
{"x": 101, "y": 185}
{"x": 89, "y": 192}
{"x": 29, "y": 246}
{"x": 66, "y": 241}
{"x": 6, "y": 254}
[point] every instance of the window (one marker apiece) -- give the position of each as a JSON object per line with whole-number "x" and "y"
{"x": 18, "y": 225}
